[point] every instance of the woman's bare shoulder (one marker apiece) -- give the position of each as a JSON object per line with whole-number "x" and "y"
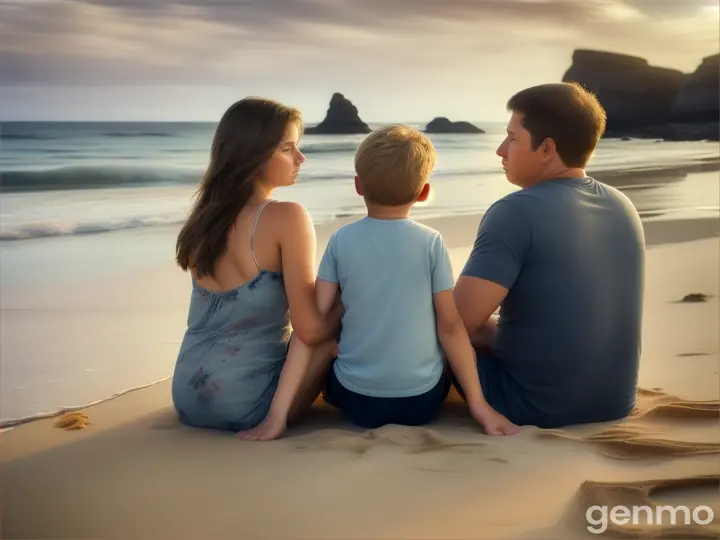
{"x": 288, "y": 213}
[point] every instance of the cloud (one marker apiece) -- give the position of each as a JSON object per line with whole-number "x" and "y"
{"x": 110, "y": 40}
{"x": 283, "y": 14}
{"x": 670, "y": 8}
{"x": 191, "y": 41}
{"x": 50, "y": 23}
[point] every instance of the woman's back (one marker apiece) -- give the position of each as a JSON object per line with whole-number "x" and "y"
{"x": 252, "y": 245}
{"x": 237, "y": 335}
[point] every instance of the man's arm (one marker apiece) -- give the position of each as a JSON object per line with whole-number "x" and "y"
{"x": 477, "y": 299}
{"x": 503, "y": 241}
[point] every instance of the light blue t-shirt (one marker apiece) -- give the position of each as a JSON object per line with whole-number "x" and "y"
{"x": 388, "y": 271}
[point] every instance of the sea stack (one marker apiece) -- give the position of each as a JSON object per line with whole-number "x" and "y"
{"x": 443, "y": 125}
{"x": 342, "y": 118}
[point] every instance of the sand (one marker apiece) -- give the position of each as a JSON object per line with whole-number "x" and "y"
{"x": 135, "y": 472}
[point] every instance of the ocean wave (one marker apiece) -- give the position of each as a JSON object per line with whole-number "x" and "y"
{"x": 12, "y": 422}
{"x": 466, "y": 172}
{"x": 29, "y": 231}
{"x": 63, "y": 178}
{"x": 91, "y": 177}
{"x": 25, "y": 137}
{"x": 328, "y": 147}
{"x": 350, "y": 173}
{"x": 138, "y": 134}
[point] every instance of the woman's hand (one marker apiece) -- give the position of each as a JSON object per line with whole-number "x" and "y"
{"x": 269, "y": 429}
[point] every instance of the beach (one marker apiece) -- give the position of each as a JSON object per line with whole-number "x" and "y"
{"x": 88, "y": 207}
{"x": 117, "y": 118}
{"x": 136, "y": 472}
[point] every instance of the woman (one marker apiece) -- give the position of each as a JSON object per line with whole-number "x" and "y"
{"x": 252, "y": 261}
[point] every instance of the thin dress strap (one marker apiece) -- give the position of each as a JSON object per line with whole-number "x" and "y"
{"x": 252, "y": 233}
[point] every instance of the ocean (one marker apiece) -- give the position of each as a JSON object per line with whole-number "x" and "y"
{"x": 82, "y": 178}
{"x": 82, "y": 201}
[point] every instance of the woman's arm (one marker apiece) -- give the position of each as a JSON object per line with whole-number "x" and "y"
{"x": 298, "y": 247}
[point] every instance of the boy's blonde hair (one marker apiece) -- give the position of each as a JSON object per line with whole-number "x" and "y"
{"x": 393, "y": 164}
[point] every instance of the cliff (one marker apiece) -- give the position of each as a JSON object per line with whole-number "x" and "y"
{"x": 649, "y": 101}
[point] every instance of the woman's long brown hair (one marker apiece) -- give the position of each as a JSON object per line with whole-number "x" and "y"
{"x": 246, "y": 137}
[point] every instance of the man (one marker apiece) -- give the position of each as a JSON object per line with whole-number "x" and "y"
{"x": 563, "y": 259}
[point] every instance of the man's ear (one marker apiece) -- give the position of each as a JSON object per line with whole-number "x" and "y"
{"x": 358, "y": 186}
{"x": 549, "y": 148}
{"x": 424, "y": 193}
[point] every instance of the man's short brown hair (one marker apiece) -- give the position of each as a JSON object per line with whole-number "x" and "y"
{"x": 564, "y": 112}
{"x": 393, "y": 164}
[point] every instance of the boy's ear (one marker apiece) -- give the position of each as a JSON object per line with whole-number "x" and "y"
{"x": 425, "y": 193}
{"x": 358, "y": 186}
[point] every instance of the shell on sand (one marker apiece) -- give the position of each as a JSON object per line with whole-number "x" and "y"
{"x": 72, "y": 421}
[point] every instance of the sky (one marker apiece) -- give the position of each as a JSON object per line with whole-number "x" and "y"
{"x": 396, "y": 60}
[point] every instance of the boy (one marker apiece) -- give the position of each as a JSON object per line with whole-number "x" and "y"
{"x": 395, "y": 282}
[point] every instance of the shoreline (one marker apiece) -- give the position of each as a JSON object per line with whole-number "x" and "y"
{"x": 7, "y": 425}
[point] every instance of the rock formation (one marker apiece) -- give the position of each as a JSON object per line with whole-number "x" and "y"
{"x": 648, "y": 101}
{"x": 341, "y": 119}
{"x": 443, "y": 125}
{"x": 699, "y": 100}
{"x": 632, "y": 92}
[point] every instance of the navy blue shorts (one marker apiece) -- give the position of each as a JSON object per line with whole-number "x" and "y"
{"x": 508, "y": 398}
{"x": 372, "y": 412}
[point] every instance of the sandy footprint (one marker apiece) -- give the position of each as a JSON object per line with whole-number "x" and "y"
{"x": 450, "y": 463}
{"x": 657, "y": 404}
{"x": 411, "y": 439}
{"x": 648, "y": 392}
{"x": 695, "y": 297}
{"x": 681, "y": 409}
{"x": 644, "y": 517}
{"x": 629, "y": 441}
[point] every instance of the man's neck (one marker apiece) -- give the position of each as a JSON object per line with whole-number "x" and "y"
{"x": 573, "y": 172}
{"x": 377, "y": 211}
{"x": 559, "y": 174}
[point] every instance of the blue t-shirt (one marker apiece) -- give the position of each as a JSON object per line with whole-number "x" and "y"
{"x": 571, "y": 252}
{"x": 388, "y": 271}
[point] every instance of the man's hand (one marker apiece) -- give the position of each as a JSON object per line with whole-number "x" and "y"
{"x": 484, "y": 336}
